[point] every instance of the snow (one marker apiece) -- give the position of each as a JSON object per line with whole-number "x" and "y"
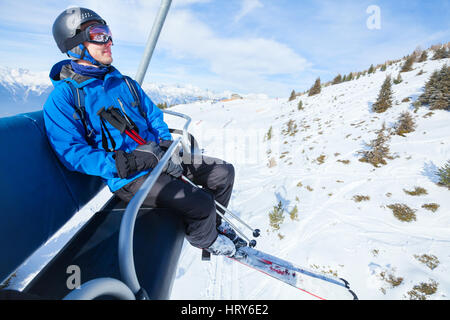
{"x": 362, "y": 242}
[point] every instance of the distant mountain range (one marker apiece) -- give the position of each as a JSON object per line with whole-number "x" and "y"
{"x": 24, "y": 91}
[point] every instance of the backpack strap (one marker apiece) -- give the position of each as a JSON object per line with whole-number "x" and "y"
{"x": 134, "y": 92}
{"x": 80, "y": 110}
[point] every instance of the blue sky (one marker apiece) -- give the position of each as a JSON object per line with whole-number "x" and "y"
{"x": 246, "y": 46}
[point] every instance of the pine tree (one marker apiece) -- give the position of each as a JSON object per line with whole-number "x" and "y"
{"x": 441, "y": 53}
{"x": 350, "y": 76}
{"x": 316, "y": 88}
{"x": 162, "y": 105}
{"x": 437, "y": 90}
{"x": 384, "y": 100}
{"x": 300, "y": 105}
{"x": 371, "y": 69}
{"x": 379, "y": 150}
{"x": 398, "y": 79}
{"x": 407, "y": 66}
{"x": 444, "y": 175}
{"x": 423, "y": 57}
{"x": 405, "y": 124}
{"x": 293, "y": 96}
{"x": 337, "y": 79}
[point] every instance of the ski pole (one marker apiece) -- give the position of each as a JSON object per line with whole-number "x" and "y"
{"x": 252, "y": 243}
{"x": 256, "y": 232}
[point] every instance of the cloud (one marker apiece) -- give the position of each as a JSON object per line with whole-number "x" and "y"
{"x": 247, "y": 7}
{"x": 246, "y": 58}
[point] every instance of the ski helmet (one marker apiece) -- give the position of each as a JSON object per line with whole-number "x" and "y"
{"x": 67, "y": 32}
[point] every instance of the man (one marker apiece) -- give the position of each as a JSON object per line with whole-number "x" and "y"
{"x": 95, "y": 140}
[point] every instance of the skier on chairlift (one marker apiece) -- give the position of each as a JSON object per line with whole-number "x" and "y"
{"x": 96, "y": 126}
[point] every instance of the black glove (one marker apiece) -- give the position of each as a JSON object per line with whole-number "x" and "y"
{"x": 165, "y": 144}
{"x": 143, "y": 158}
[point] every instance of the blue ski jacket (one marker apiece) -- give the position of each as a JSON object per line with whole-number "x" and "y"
{"x": 66, "y": 132}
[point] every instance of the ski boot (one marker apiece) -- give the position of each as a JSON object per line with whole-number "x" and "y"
{"x": 222, "y": 246}
{"x": 228, "y": 231}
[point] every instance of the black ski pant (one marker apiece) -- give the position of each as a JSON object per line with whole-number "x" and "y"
{"x": 195, "y": 205}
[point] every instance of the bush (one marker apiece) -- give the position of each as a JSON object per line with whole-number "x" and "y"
{"x": 162, "y": 105}
{"x": 405, "y": 124}
{"x": 418, "y": 191}
{"x": 268, "y": 135}
{"x": 359, "y": 198}
{"x": 379, "y": 150}
{"x": 402, "y": 212}
{"x": 276, "y": 216}
{"x": 433, "y": 207}
{"x": 421, "y": 291}
{"x": 291, "y": 128}
{"x": 431, "y": 261}
{"x": 384, "y": 100}
{"x": 294, "y": 213}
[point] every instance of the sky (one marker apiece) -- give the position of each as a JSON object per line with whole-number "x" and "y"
{"x": 243, "y": 46}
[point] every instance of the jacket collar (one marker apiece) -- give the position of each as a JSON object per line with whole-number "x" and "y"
{"x": 62, "y": 71}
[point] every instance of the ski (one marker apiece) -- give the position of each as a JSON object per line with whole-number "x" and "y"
{"x": 323, "y": 287}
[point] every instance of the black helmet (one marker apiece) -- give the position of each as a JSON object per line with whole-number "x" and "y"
{"x": 67, "y": 26}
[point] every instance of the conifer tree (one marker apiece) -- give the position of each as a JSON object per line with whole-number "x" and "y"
{"x": 379, "y": 150}
{"x": 316, "y": 88}
{"x": 405, "y": 124}
{"x": 437, "y": 90}
{"x": 423, "y": 57}
{"x": 371, "y": 69}
{"x": 293, "y": 96}
{"x": 407, "y": 66}
{"x": 398, "y": 79}
{"x": 441, "y": 53}
{"x": 384, "y": 100}
{"x": 350, "y": 76}
{"x": 337, "y": 79}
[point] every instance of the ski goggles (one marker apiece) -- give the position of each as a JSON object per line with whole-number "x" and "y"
{"x": 98, "y": 33}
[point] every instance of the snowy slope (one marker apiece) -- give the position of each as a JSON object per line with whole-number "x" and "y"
{"x": 362, "y": 242}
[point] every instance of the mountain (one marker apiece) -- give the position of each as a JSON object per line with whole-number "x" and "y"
{"x": 24, "y": 91}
